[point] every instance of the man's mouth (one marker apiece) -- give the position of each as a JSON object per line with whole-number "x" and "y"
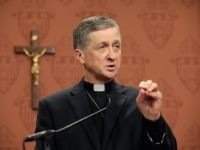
{"x": 111, "y": 67}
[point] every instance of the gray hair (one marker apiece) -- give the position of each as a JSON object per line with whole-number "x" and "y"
{"x": 81, "y": 37}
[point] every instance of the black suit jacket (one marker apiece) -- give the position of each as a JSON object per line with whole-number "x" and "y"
{"x": 123, "y": 128}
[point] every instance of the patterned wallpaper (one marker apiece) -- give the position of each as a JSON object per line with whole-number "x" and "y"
{"x": 161, "y": 41}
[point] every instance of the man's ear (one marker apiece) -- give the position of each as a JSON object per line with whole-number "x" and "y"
{"x": 79, "y": 55}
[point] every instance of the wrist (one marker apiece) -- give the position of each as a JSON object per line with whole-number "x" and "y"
{"x": 152, "y": 116}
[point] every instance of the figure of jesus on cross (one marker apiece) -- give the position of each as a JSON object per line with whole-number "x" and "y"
{"x": 35, "y": 70}
{"x": 35, "y": 52}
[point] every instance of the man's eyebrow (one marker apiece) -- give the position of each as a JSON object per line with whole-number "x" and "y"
{"x": 102, "y": 42}
{"x": 117, "y": 41}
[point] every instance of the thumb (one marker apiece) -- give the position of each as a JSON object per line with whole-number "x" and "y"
{"x": 141, "y": 95}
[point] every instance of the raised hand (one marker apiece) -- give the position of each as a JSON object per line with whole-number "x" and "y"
{"x": 149, "y": 100}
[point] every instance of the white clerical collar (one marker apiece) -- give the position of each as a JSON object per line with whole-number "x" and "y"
{"x": 99, "y": 87}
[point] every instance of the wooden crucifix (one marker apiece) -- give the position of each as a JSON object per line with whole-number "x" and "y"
{"x": 35, "y": 52}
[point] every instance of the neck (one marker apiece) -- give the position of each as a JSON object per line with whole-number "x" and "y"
{"x": 96, "y": 81}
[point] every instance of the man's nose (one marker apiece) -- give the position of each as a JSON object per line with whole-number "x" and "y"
{"x": 111, "y": 53}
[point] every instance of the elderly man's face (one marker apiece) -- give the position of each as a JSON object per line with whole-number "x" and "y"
{"x": 102, "y": 57}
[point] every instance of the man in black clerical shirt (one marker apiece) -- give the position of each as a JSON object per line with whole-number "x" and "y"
{"x": 133, "y": 119}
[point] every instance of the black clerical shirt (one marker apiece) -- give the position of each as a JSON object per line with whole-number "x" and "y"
{"x": 98, "y": 99}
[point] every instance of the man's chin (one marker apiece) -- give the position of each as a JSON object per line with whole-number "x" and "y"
{"x": 110, "y": 76}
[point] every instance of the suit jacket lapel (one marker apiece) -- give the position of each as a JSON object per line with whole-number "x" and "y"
{"x": 81, "y": 107}
{"x": 112, "y": 113}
